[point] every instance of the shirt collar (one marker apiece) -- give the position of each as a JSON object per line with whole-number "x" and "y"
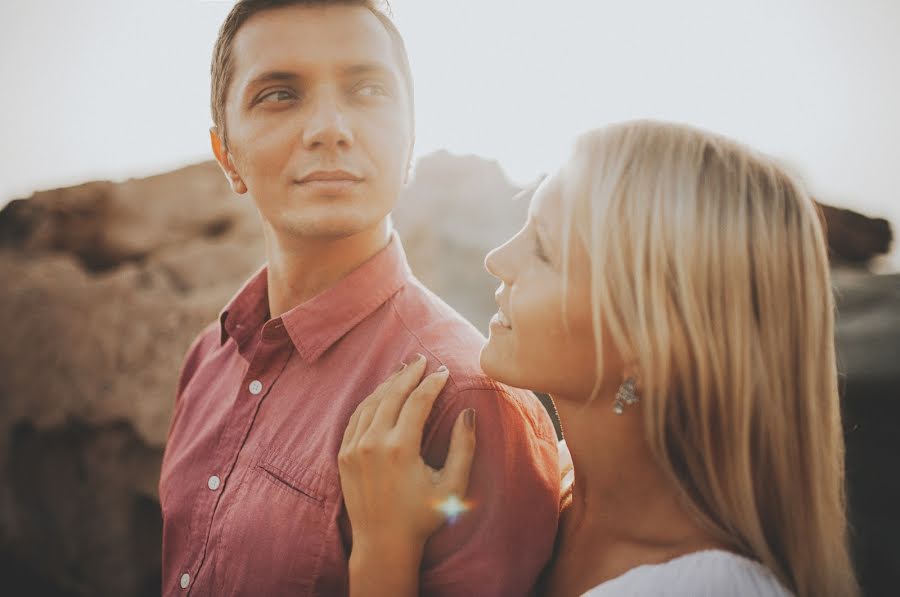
{"x": 318, "y": 323}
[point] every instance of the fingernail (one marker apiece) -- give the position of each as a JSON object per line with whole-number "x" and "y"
{"x": 469, "y": 417}
{"x": 442, "y": 369}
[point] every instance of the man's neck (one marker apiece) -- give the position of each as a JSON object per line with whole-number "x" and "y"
{"x": 302, "y": 268}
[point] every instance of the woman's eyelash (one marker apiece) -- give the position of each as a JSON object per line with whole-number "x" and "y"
{"x": 539, "y": 249}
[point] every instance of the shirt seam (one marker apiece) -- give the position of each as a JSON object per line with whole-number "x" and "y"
{"x": 481, "y": 383}
{"x": 509, "y": 398}
{"x": 439, "y": 418}
{"x": 313, "y": 351}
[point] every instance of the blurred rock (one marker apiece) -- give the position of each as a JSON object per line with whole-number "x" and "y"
{"x": 452, "y": 213}
{"x": 854, "y": 238}
{"x": 105, "y": 224}
{"x": 868, "y": 341}
{"x": 104, "y": 286}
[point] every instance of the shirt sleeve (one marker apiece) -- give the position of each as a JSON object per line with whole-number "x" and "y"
{"x": 192, "y": 358}
{"x": 500, "y": 545}
{"x": 201, "y": 345}
{"x": 189, "y": 365}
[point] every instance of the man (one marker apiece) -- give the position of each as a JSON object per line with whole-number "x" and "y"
{"x": 312, "y": 107}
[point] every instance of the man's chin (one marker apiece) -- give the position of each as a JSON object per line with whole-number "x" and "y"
{"x": 320, "y": 231}
{"x": 325, "y": 225}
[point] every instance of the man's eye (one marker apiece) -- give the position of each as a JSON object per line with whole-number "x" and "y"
{"x": 371, "y": 90}
{"x": 279, "y": 95}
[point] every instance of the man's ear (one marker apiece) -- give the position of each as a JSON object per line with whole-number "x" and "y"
{"x": 223, "y": 156}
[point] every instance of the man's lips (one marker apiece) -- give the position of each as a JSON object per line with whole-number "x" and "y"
{"x": 330, "y": 176}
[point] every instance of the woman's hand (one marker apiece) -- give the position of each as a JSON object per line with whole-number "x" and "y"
{"x": 394, "y": 500}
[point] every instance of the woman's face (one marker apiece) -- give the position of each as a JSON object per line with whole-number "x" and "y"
{"x": 534, "y": 342}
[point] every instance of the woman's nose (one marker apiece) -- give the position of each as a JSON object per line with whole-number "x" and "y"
{"x": 493, "y": 263}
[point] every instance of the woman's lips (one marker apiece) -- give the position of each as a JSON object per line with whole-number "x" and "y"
{"x": 501, "y": 320}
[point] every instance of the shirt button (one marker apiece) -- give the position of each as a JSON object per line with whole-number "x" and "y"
{"x": 185, "y": 580}
{"x": 255, "y": 387}
{"x": 213, "y": 482}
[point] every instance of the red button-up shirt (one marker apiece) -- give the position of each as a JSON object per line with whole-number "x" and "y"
{"x": 250, "y": 490}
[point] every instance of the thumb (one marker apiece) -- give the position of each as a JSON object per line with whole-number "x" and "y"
{"x": 455, "y": 475}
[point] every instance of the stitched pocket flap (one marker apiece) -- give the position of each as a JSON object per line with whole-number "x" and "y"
{"x": 296, "y": 475}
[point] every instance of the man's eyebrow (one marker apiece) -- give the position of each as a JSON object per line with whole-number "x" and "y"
{"x": 273, "y": 76}
{"x": 281, "y": 76}
{"x": 365, "y": 68}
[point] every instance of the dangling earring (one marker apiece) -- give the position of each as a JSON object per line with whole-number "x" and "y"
{"x": 624, "y": 396}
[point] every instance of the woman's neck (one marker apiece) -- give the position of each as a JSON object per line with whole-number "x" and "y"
{"x": 624, "y": 511}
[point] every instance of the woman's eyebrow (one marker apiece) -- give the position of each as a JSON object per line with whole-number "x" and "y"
{"x": 540, "y": 232}
{"x": 530, "y": 189}
{"x": 539, "y": 229}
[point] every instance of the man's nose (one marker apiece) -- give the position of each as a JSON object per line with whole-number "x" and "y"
{"x": 327, "y": 126}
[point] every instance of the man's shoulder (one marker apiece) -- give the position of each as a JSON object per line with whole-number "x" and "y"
{"x": 206, "y": 339}
{"x": 443, "y": 336}
{"x": 447, "y": 338}
{"x": 203, "y": 343}
{"x": 425, "y": 314}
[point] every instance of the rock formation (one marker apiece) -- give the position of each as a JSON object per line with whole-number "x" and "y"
{"x": 852, "y": 237}
{"x": 104, "y": 286}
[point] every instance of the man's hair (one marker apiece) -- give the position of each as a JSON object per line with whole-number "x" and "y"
{"x": 222, "y": 69}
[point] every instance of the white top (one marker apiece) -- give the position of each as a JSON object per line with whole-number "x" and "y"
{"x": 710, "y": 573}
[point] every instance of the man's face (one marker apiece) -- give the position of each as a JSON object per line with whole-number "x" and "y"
{"x": 317, "y": 119}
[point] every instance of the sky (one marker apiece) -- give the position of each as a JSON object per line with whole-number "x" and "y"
{"x": 112, "y": 89}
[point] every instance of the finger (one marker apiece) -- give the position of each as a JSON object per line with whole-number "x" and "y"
{"x": 366, "y": 414}
{"x": 454, "y": 476}
{"x": 411, "y": 422}
{"x": 350, "y": 431}
{"x": 358, "y": 423}
{"x": 385, "y": 385}
{"x": 395, "y": 395}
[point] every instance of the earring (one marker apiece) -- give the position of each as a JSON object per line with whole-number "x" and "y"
{"x": 624, "y": 396}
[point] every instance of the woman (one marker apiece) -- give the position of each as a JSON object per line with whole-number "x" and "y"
{"x": 671, "y": 292}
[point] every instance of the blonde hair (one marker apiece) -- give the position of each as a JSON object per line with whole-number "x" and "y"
{"x": 709, "y": 272}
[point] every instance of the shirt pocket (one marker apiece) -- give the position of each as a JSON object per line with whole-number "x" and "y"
{"x": 279, "y": 527}
{"x": 287, "y": 475}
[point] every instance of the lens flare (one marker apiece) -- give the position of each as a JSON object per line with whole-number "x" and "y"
{"x": 452, "y": 508}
